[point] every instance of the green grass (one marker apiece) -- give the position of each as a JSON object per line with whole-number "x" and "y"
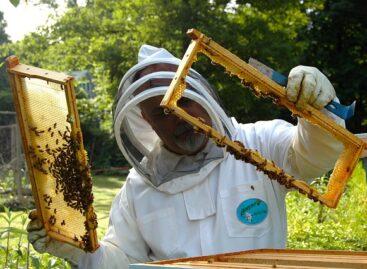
{"x": 310, "y": 226}
{"x": 104, "y": 189}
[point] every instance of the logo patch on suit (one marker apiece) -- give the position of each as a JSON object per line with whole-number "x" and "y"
{"x": 252, "y": 211}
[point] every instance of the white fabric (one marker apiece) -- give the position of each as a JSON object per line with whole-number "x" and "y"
{"x": 196, "y": 215}
{"x": 148, "y": 224}
{"x": 165, "y": 165}
{"x": 307, "y": 85}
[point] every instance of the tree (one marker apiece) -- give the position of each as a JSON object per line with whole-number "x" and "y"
{"x": 5, "y": 95}
{"x": 337, "y": 38}
{"x": 4, "y": 38}
{"x": 104, "y": 38}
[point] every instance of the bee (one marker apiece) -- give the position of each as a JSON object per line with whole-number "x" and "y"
{"x": 52, "y": 220}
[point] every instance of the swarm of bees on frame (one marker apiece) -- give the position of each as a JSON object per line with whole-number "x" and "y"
{"x": 72, "y": 178}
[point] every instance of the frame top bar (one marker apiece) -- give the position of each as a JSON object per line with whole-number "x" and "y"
{"x": 13, "y": 65}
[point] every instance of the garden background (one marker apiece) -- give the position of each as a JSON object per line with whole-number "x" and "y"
{"x": 98, "y": 41}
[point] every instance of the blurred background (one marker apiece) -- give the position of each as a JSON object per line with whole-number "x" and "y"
{"x": 97, "y": 41}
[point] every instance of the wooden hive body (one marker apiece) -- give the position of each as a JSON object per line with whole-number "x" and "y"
{"x": 268, "y": 258}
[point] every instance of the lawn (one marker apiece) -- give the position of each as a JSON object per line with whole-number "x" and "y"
{"x": 104, "y": 189}
{"x": 310, "y": 226}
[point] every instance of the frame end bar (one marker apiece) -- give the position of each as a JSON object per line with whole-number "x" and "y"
{"x": 193, "y": 33}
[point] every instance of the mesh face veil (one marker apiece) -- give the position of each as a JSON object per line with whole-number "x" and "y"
{"x": 136, "y": 139}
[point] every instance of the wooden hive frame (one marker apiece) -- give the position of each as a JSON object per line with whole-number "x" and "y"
{"x": 263, "y": 86}
{"x": 18, "y": 72}
{"x": 268, "y": 258}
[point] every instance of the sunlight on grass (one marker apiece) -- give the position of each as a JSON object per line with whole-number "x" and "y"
{"x": 104, "y": 189}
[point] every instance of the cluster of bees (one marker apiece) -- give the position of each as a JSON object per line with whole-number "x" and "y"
{"x": 51, "y": 153}
{"x": 84, "y": 241}
{"x": 245, "y": 155}
{"x": 280, "y": 177}
{"x": 60, "y": 160}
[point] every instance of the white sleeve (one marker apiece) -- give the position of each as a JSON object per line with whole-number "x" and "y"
{"x": 123, "y": 243}
{"x": 304, "y": 151}
{"x": 313, "y": 151}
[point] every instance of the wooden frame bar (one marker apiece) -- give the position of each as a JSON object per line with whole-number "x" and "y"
{"x": 264, "y": 87}
{"x": 268, "y": 258}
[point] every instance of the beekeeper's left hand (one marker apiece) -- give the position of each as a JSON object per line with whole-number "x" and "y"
{"x": 42, "y": 243}
{"x": 307, "y": 85}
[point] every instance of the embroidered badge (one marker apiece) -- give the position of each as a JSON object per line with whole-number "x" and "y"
{"x": 252, "y": 211}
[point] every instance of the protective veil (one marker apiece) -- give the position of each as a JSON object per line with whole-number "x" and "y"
{"x": 140, "y": 144}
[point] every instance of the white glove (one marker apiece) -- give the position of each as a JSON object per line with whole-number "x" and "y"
{"x": 43, "y": 243}
{"x": 307, "y": 85}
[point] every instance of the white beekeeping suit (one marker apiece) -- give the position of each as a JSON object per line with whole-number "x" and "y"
{"x": 197, "y": 210}
{"x": 177, "y": 205}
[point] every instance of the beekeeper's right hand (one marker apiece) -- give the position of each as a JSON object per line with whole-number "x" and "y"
{"x": 43, "y": 243}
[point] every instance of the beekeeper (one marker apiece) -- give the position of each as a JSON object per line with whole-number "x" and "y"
{"x": 184, "y": 195}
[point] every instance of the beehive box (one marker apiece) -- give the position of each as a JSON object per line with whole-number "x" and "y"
{"x": 268, "y": 258}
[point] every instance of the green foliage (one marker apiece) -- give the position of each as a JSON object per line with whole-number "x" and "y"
{"x": 16, "y": 252}
{"x": 5, "y": 96}
{"x": 14, "y": 2}
{"x": 312, "y": 226}
{"x": 3, "y": 36}
{"x": 9, "y": 218}
{"x": 337, "y": 41}
{"x": 104, "y": 37}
